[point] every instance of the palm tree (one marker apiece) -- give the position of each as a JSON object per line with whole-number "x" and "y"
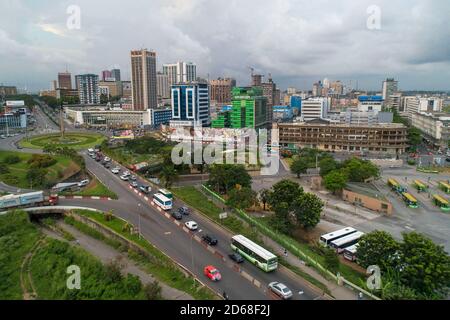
{"x": 264, "y": 195}
{"x": 168, "y": 175}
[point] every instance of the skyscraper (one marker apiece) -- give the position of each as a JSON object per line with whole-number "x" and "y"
{"x": 221, "y": 90}
{"x": 88, "y": 88}
{"x": 163, "y": 87}
{"x": 249, "y": 108}
{"x": 390, "y": 87}
{"x": 65, "y": 80}
{"x": 106, "y": 75}
{"x": 180, "y": 72}
{"x": 270, "y": 92}
{"x": 115, "y": 73}
{"x": 190, "y": 104}
{"x": 143, "y": 79}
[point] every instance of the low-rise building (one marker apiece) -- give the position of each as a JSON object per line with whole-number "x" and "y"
{"x": 389, "y": 138}
{"x": 370, "y": 103}
{"x": 366, "y": 195}
{"x": 434, "y": 126}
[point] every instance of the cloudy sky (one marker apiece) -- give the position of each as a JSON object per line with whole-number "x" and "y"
{"x": 297, "y": 41}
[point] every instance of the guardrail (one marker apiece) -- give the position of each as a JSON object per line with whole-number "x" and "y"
{"x": 281, "y": 239}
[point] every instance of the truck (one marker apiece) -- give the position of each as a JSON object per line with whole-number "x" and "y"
{"x": 139, "y": 166}
{"x": 27, "y": 200}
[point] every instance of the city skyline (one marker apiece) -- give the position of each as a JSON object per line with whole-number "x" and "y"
{"x": 303, "y": 42}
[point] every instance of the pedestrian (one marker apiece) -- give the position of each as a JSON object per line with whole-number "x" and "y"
{"x": 285, "y": 253}
{"x": 225, "y": 296}
{"x": 360, "y": 296}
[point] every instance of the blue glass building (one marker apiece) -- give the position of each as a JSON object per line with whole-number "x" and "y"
{"x": 190, "y": 104}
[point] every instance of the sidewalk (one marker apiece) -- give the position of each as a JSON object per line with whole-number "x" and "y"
{"x": 106, "y": 253}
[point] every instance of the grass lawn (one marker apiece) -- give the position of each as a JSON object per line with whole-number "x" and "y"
{"x": 61, "y": 170}
{"x": 126, "y": 157}
{"x": 95, "y": 189}
{"x": 76, "y": 141}
{"x": 161, "y": 266}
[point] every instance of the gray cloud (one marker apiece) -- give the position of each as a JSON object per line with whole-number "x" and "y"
{"x": 297, "y": 41}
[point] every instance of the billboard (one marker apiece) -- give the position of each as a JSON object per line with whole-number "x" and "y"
{"x": 123, "y": 134}
{"x": 15, "y": 103}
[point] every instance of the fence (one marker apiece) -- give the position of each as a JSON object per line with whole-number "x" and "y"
{"x": 287, "y": 243}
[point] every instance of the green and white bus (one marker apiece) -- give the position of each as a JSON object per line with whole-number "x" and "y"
{"x": 254, "y": 253}
{"x": 441, "y": 203}
{"x": 444, "y": 186}
{"x": 420, "y": 186}
{"x": 409, "y": 200}
{"x": 166, "y": 193}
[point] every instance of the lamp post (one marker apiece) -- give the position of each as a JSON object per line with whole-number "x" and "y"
{"x": 139, "y": 220}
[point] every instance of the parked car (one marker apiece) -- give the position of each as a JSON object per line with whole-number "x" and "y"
{"x": 83, "y": 183}
{"x": 212, "y": 273}
{"x": 107, "y": 165}
{"x": 210, "y": 240}
{"x": 236, "y": 257}
{"x": 134, "y": 178}
{"x": 280, "y": 290}
{"x": 184, "y": 211}
{"x": 127, "y": 173}
{"x": 107, "y": 159}
{"x": 145, "y": 189}
{"x": 133, "y": 184}
{"x": 115, "y": 170}
{"x": 124, "y": 177}
{"x": 176, "y": 215}
{"x": 191, "y": 225}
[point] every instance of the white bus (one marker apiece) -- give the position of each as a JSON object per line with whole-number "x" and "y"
{"x": 350, "y": 252}
{"x": 254, "y": 253}
{"x": 162, "y": 201}
{"x": 340, "y": 244}
{"x": 327, "y": 238}
{"x": 166, "y": 193}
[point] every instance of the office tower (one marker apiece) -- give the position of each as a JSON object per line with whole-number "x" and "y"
{"x": 88, "y": 88}
{"x": 126, "y": 89}
{"x": 115, "y": 74}
{"x": 291, "y": 90}
{"x": 190, "y": 104}
{"x": 106, "y": 75}
{"x": 180, "y": 72}
{"x": 143, "y": 79}
{"x": 163, "y": 88}
{"x": 113, "y": 88}
{"x": 314, "y": 108}
{"x": 317, "y": 89}
{"x": 249, "y": 108}
{"x": 256, "y": 80}
{"x": 326, "y": 83}
{"x": 337, "y": 87}
{"x": 65, "y": 80}
{"x": 221, "y": 90}
{"x": 390, "y": 87}
{"x": 54, "y": 85}
{"x": 270, "y": 92}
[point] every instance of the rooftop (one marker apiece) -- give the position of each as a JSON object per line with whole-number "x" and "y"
{"x": 366, "y": 189}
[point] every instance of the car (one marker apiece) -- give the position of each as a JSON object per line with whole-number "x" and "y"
{"x": 134, "y": 178}
{"x": 236, "y": 257}
{"x": 176, "y": 215}
{"x": 210, "y": 240}
{"x": 212, "y": 273}
{"x": 91, "y": 150}
{"x": 184, "y": 211}
{"x": 124, "y": 177}
{"x": 107, "y": 159}
{"x": 107, "y": 165}
{"x": 145, "y": 189}
{"x": 115, "y": 170}
{"x": 280, "y": 290}
{"x": 127, "y": 173}
{"x": 3, "y": 136}
{"x": 133, "y": 184}
{"x": 83, "y": 183}
{"x": 19, "y": 147}
{"x": 191, "y": 225}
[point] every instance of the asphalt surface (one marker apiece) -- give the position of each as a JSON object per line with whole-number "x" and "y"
{"x": 171, "y": 239}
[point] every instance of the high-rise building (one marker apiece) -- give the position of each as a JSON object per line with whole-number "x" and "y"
{"x": 126, "y": 89}
{"x": 54, "y": 85}
{"x": 113, "y": 88}
{"x": 190, "y": 104}
{"x": 115, "y": 74}
{"x": 88, "y": 88}
{"x": 65, "y": 80}
{"x": 8, "y": 91}
{"x": 337, "y": 87}
{"x": 270, "y": 92}
{"x": 106, "y": 75}
{"x": 221, "y": 90}
{"x": 249, "y": 108}
{"x": 317, "y": 89}
{"x": 256, "y": 80}
{"x": 163, "y": 88}
{"x": 390, "y": 87}
{"x": 180, "y": 72}
{"x": 314, "y": 108}
{"x": 143, "y": 79}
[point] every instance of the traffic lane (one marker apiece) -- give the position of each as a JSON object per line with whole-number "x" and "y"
{"x": 208, "y": 227}
{"x": 293, "y": 282}
{"x": 180, "y": 246}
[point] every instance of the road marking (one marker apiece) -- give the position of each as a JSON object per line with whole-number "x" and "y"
{"x": 167, "y": 215}
{"x": 168, "y": 233}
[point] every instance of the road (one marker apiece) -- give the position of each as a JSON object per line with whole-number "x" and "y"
{"x": 171, "y": 239}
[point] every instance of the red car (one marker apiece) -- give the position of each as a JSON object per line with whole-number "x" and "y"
{"x": 212, "y": 273}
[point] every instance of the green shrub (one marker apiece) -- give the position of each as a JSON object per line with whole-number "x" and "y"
{"x": 11, "y": 159}
{"x": 41, "y": 161}
{"x": 3, "y": 168}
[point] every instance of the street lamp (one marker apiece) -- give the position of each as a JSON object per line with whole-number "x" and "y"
{"x": 139, "y": 220}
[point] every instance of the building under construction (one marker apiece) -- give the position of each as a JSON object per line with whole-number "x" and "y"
{"x": 388, "y": 138}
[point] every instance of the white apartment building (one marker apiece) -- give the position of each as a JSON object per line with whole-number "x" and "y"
{"x": 314, "y": 108}
{"x": 180, "y": 72}
{"x": 435, "y": 126}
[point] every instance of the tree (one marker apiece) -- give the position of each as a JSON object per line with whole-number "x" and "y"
{"x": 335, "y": 181}
{"x": 284, "y": 191}
{"x": 281, "y": 220}
{"x": 425, "y": 266}
{"x": 224, "y": 177}
{"x": 153, "y": 291}
{"x": 104, "y": 99}
{"x": 36, "y": 176}
{"x": 377, "y": 248}
{"x": 414, "y": 137}
{"x": 327, "y": 165}
{"x": 11, "y": 159}
{"x": 3, "y": 168}
{"x": 299, "y": 166}
{"x": 264, "y": 195}
{"x": 307, "y": 210}
{"x": 331, "y": 260}
{"x": 359, "y": 170}
{"x": 241, "y": 198}
{"x": 168, "y": 175}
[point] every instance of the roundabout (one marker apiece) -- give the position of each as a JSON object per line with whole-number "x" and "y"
{"x": 72, "y": 140}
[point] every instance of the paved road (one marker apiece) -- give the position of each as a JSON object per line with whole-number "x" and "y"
{"x": 170, "y": 238}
